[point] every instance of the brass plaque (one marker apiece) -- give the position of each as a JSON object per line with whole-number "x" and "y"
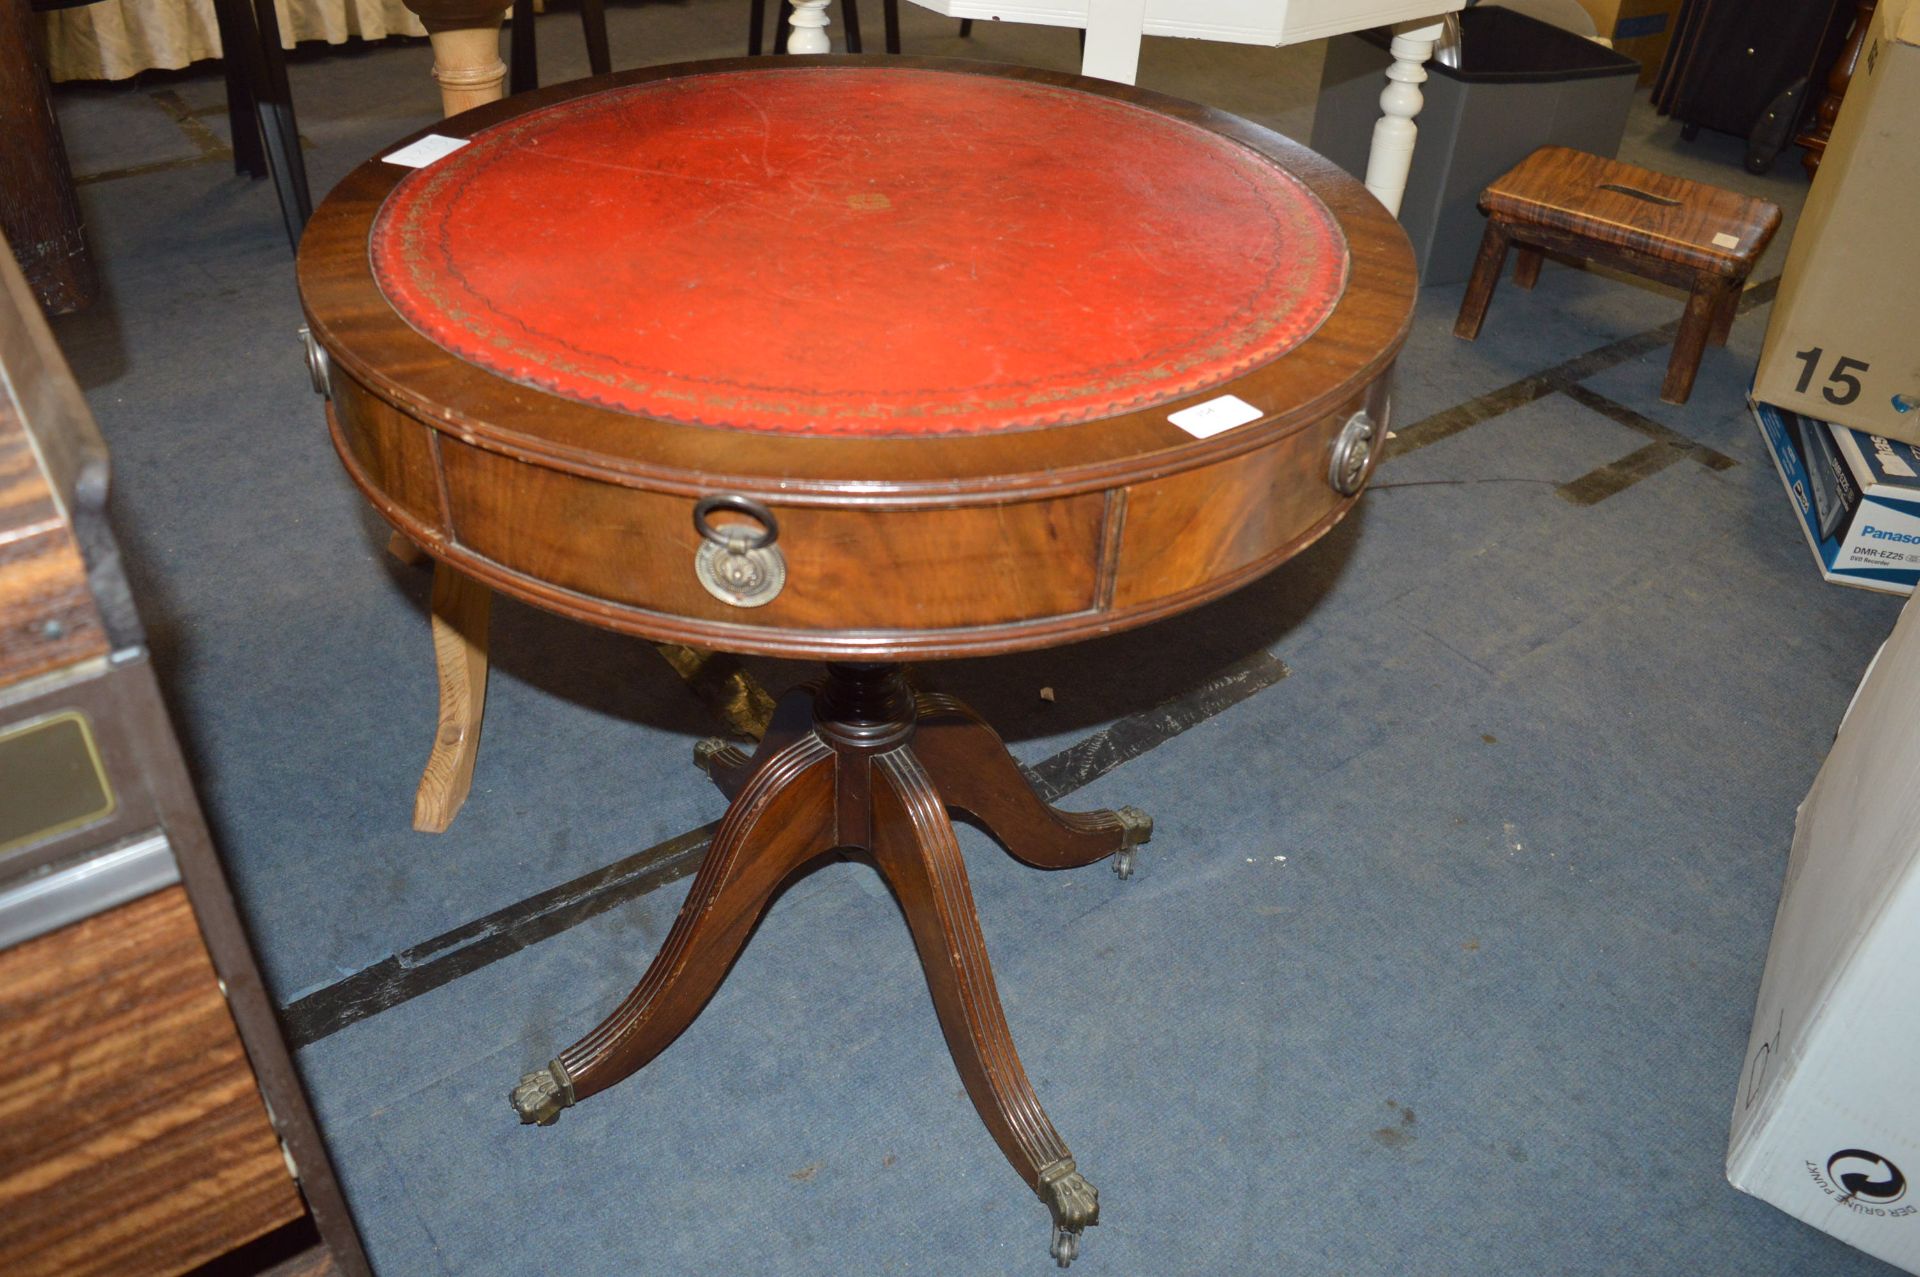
{"x": 51, "y": 780}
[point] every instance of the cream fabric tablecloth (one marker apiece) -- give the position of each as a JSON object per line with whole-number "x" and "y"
{"x": 114, "y": 39}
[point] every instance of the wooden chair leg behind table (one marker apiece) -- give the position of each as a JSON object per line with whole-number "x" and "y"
{"x": 1485, "y": 278}
{"x": 466, "y": 50}
{"x": 461, "y": 607}
{"x": 402, "y": 547}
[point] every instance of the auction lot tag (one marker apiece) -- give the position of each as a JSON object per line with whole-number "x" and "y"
{"x": 1204, "y": 420}
{"x": 434, "y": 146}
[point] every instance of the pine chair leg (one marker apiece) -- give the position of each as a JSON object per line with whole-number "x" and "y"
{"x": 461, "y": 607}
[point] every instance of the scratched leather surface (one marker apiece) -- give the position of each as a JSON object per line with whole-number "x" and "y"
{"x": 859, "y": 251}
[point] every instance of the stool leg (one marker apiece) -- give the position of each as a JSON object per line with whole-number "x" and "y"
{"x": 1486, "y": 276}
{"x": 1526, "y": 266}
{"x": 1724, "y": 317}
{"x": 461, "y": 607}
{"x": 974, "y": 772}
{"x": 1703, "y": 308}
{"x": 914, "y": 847}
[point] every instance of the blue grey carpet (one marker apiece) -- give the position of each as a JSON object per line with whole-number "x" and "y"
{"x": 1442, "y": 956}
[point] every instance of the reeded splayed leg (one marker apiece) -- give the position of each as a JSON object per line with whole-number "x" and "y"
{"x": 782, "y": 818}
{"x": 914, "y": 846}
{"x": 973, "y": 771}
{"x": 729, "y": 766}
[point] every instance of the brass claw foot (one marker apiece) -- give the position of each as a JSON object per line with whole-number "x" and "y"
{"x": 1136, "y": 828}
{"x": 1075, "y": 1205}
{"x": 714, "y": 749}
{"x": 542, "y": 1094}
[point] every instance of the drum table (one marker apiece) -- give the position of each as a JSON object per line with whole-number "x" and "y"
{"x": 859, "y": 361}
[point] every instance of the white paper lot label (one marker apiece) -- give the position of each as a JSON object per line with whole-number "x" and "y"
{"x": 1204, "y": 420}
{"x": 419, "y": 154}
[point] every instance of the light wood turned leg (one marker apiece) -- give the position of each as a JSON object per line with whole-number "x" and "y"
{"x": 1704, "y": 304}
{"x": 467, "y": 66}
{"x": 461, "y": 607}
{"x": 1390, "y": 156}
{"x": 406, "y": 549}
{"x": 1526, "y": 267}
{"x": 1485, "y": 278}
{"x": 975, "y": 774}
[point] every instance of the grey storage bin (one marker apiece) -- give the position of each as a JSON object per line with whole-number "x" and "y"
{"x": 1520, "y": 84}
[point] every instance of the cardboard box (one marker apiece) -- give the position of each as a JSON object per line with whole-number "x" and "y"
{"x": 1857, "y": 497}
{"x": 1826, "y": 1124}
{"x": 1843, "y": 342}
{"x": 1641, "y": 29}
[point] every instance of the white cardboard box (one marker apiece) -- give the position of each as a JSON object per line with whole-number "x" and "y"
{"x": 1826, "y": 1125}
{"x": 1857, "y": 497}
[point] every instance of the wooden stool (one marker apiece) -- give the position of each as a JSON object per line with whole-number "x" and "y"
{"x": 1686, "y": 233}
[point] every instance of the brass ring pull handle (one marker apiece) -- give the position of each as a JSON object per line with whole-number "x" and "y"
{"x": 729, "y": 538}
{"x": 734, "y": 565}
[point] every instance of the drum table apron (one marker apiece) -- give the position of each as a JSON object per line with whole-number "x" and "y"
{"x": 859, "y": 361}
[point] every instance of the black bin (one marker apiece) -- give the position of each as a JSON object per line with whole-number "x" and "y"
{"x": 1521, "y": 84}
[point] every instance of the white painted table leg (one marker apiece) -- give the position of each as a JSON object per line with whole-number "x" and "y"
{"x": 809, "y": 27}
{"x": 1392, "y": 152}
{"x": 1113, "y": 40}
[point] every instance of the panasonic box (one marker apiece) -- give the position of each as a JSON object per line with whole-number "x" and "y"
{"x": 1857, "y": 497}
{"x": 1826, "y": 1121}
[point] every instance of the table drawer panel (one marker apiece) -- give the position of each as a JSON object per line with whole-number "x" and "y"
{"x": 847, "y": 569}
{"x": 1191, "y": 529}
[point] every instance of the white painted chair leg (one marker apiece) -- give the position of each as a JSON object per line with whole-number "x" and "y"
{"x": 1391, "y": 155}
{"x": 809, "y": 27}
{"x": 1113, "y": 40}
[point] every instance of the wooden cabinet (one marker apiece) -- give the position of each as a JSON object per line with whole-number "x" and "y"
{"x": 150, "y": 1118}
{"x": 133, "y": 1140}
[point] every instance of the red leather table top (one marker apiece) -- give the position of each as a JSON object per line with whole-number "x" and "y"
{"x": 858, "y": 250}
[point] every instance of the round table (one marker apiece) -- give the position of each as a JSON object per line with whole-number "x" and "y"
{"x": 859, "y": 360}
